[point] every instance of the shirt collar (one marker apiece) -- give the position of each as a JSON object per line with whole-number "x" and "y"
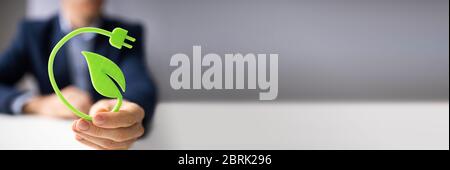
{"x": 66, "y": 27}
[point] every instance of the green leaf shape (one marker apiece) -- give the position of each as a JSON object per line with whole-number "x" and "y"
{"x": 102, "y": 71}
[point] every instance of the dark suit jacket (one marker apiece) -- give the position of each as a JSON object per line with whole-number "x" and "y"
{"x": 30, "y": 50}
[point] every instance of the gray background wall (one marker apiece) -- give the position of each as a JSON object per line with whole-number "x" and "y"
{"x": 10, "y": 13}
{"x": 333, "y": 50}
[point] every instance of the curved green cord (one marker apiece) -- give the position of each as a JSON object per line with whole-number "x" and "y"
{"x": 51, "y": 75}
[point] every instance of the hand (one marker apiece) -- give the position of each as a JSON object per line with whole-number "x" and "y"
{"x": 51, "y": 106}
{"x": 110, "y": 130}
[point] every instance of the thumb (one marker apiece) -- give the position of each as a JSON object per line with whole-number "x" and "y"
{"x": 101, "y": 106}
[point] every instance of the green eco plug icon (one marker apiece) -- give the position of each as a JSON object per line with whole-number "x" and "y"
{"x": 101, "y": 69}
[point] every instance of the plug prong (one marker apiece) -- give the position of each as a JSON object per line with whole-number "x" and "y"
{"x": 127, "y": 45}
{"x": 131, "y": 39}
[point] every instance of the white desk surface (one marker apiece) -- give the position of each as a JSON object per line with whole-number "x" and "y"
{"x": 396, "y": 125}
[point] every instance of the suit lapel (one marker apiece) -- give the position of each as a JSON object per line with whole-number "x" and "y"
{"x": 102, "y": 46}
{"x": 61, "y": 65}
